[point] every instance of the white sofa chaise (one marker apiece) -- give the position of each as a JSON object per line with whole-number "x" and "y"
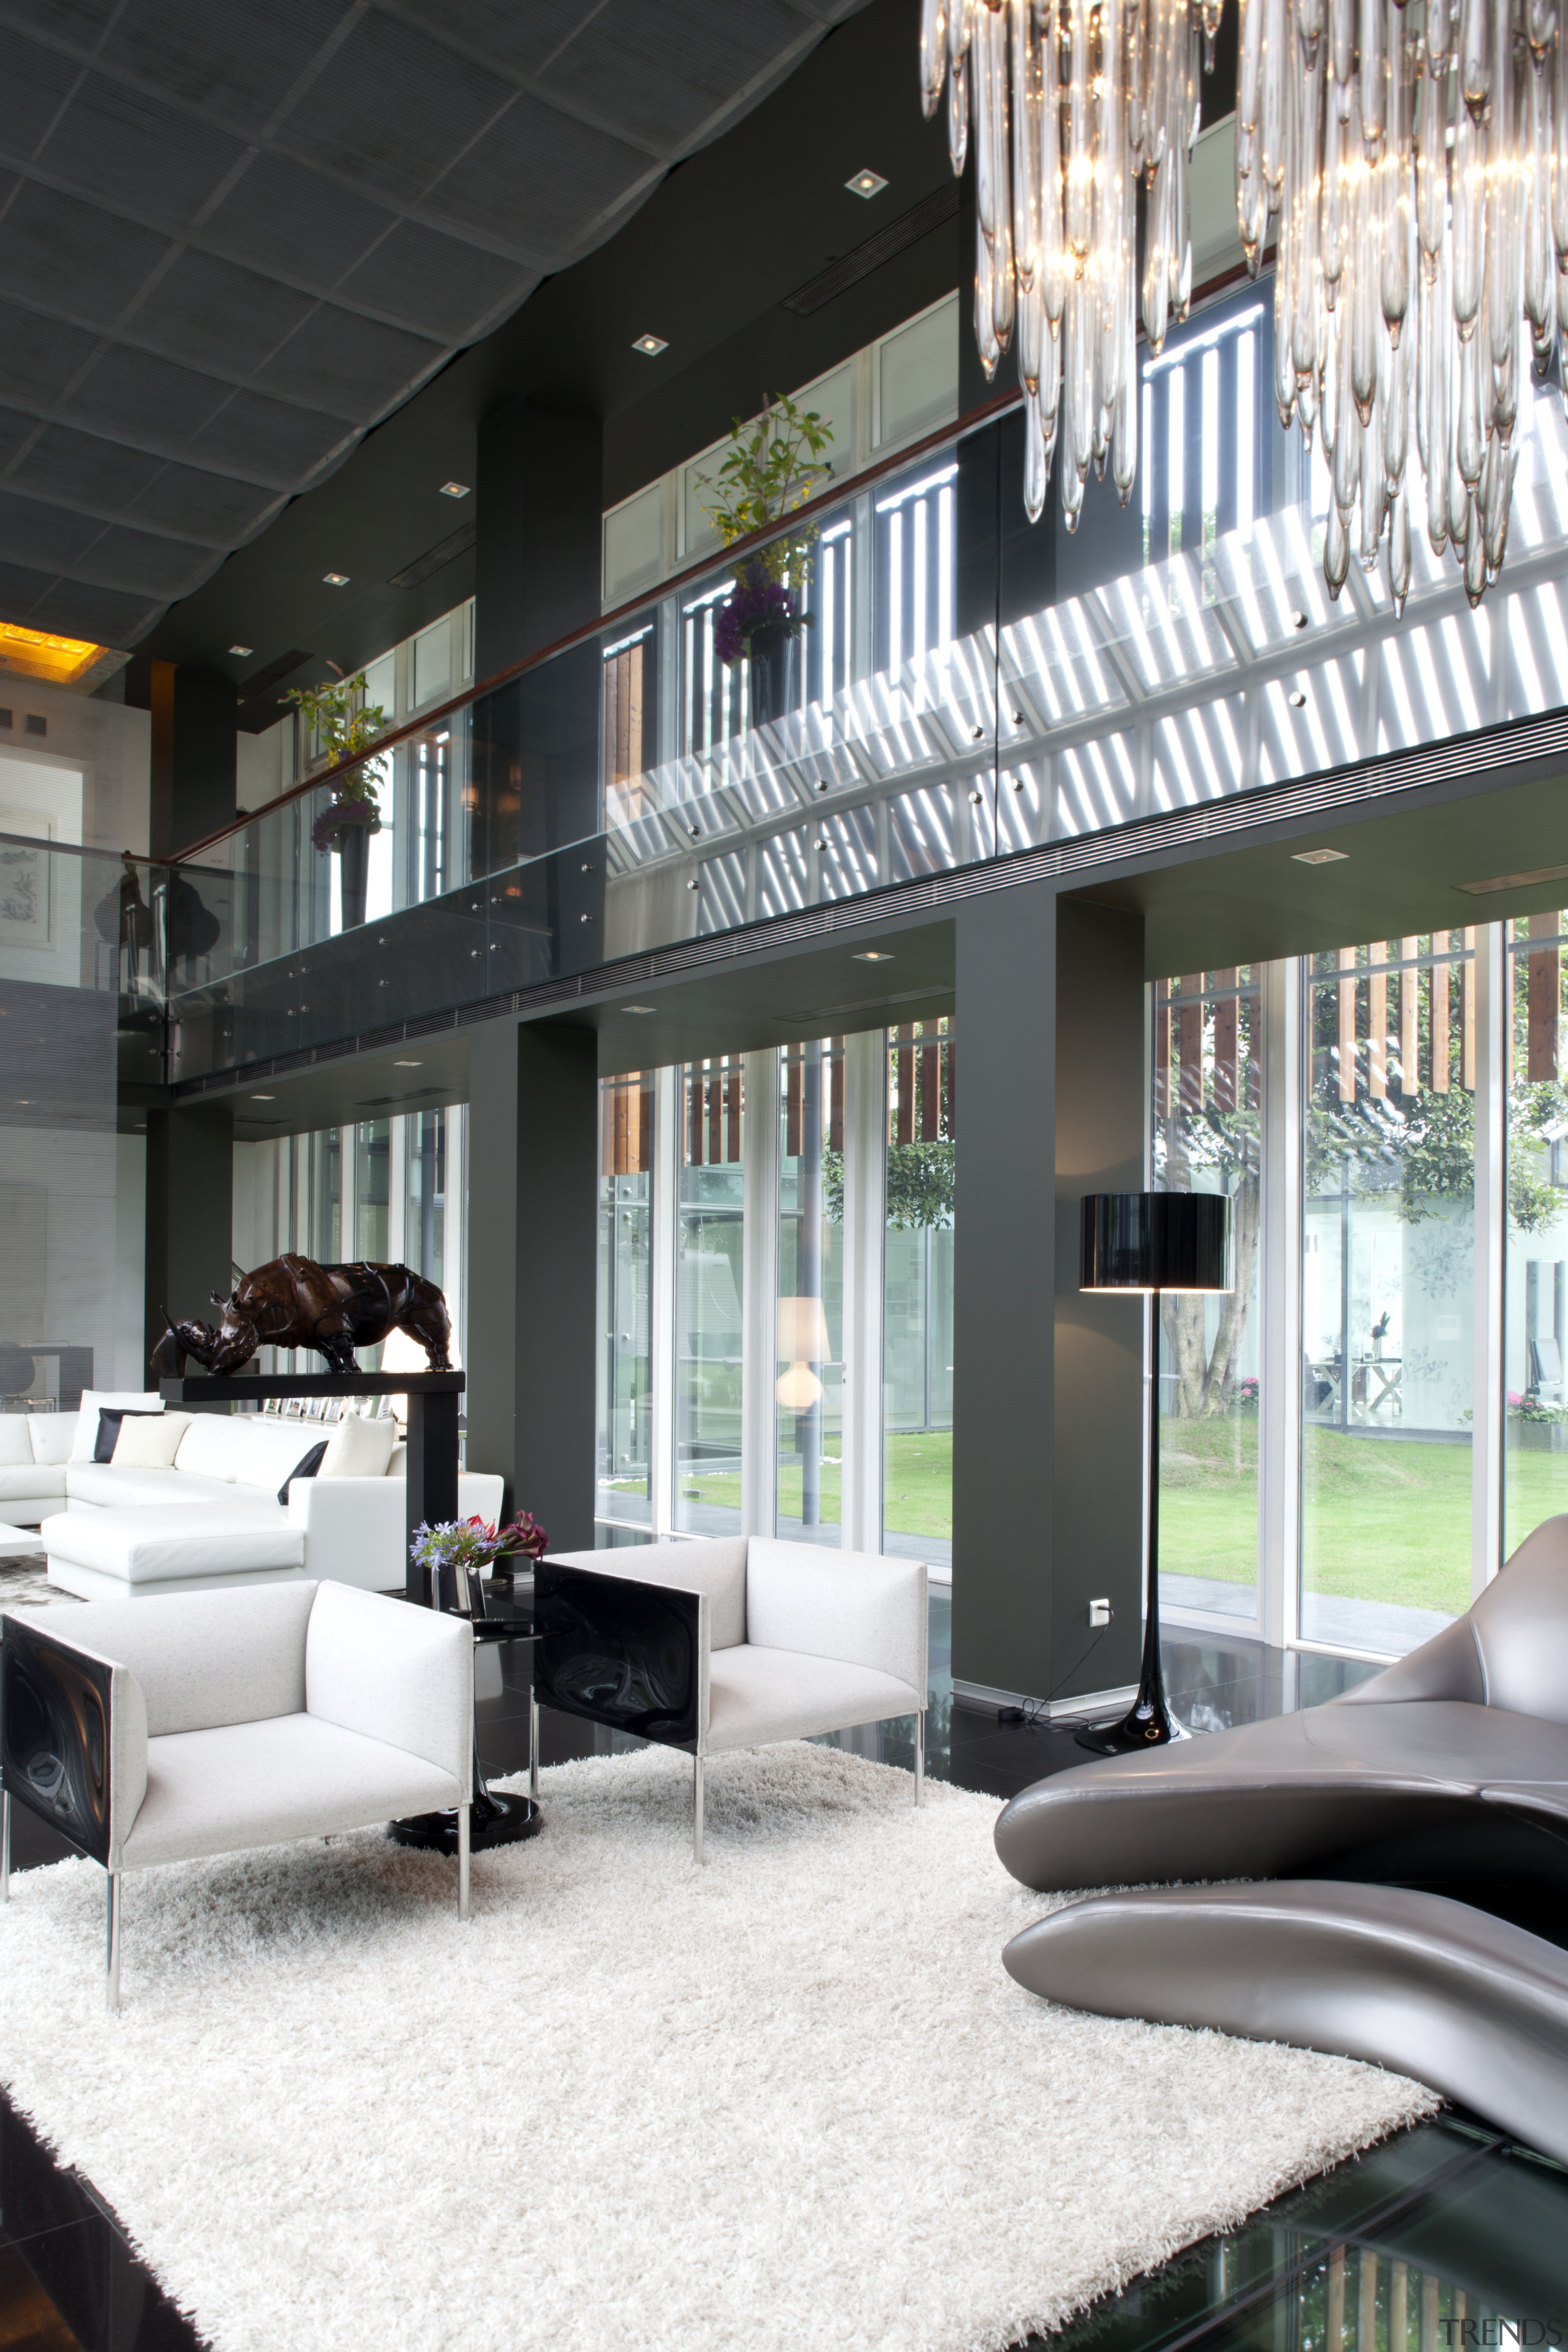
{"x": 710, "y": 1646}
{"x": 213, "y": 1517}
{"x": 213, "y": 1723}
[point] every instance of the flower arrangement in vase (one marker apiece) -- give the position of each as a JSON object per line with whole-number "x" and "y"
{"x": 457, "y": 1552}
{"x": 345, "y": 724}
{"x": 771, "y": 468}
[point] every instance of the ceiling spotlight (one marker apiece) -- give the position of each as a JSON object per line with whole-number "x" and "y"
{"x": 408, "y": 1065}
{"x": 334, "y": 579}
{"x": 866, "y": 183}
{"x": 263, "y": 1097}
{"x": 873, "y": 955}
{"x": 1320, "y": 856}
{"x": 242, "y": 652}
{"x": 639, "y": 1008}
{"x": 1297, "y": 700}
{"x": 1297, "y": 620}
{"x": 455, "y": 490}
{"x": 650, "y": 346}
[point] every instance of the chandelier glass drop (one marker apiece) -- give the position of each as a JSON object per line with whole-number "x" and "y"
{"x": 1072, "y": 104}
{"x": 1412, "y": 157}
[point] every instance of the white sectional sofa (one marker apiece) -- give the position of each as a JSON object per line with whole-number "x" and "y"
{"x": 212, "y": 1518}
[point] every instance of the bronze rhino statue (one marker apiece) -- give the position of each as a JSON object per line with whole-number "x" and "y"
{"x": 292, "y": 1302}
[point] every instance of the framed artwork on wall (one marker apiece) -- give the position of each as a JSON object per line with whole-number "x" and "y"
{"x": 25, "y": 907}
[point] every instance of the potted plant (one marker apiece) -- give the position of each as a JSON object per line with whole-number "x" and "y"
{"x": 457, "y": 1552}
{"x": 344, "y": 724}
{"x": 771, "y": 468}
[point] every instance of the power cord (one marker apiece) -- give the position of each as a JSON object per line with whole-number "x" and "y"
{"x": 1029, "y": 1717}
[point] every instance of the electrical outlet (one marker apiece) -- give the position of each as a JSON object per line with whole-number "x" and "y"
{"x": 1100, "y": 1612}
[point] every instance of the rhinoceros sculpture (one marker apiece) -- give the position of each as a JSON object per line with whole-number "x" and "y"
{"x": 292, "y": 1302}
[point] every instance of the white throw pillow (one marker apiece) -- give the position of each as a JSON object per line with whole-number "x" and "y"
{"x": 54, "y": 1434}
{"x": 268, "y": 1450}
{"x": 127, "y": 1400}
{"x": 16, "y": 1443}
{"x": 150, "y": 1440}
{"x": 359, "y": 1448}
{"x": 210, "y": 1447}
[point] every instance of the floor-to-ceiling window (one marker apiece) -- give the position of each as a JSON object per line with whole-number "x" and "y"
{"x": 709, "y": 1288}
{"x": 1387, "y": 1296}
{"x": 917, "y": 1343}
{"x": 626, "y": 1327}
{"x": 1535, "y": 1292}
{"x": 809, "y": 1327}
{"x": 1207, "y": 1079}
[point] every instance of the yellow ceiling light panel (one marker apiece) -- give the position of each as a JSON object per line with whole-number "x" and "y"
{"x": 37, "y": 654}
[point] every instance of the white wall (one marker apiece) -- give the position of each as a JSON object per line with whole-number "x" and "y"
{"x": 107, "y": 744}
{"x": 130, "y": 1366}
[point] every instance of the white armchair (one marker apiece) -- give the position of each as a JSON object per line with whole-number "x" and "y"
{"x": 166, "y": 1730}
{"x": 708, "y": 1646}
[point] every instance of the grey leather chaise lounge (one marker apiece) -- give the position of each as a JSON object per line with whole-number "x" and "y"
{"x": 1415, "y": 1831}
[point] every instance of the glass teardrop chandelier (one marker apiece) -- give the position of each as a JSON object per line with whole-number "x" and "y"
{"x": 1412, "y": 156}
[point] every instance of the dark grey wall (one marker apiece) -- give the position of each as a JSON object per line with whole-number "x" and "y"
{"x": 537, "y": 508}
{"x": 1047, "y": 1385}
{"x": 190, "y": 1213}
{"x": 533, "y": 1268}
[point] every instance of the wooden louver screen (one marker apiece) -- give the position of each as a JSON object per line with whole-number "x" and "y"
{"x": 832, "y": 1094}
{"x": 1187, "y": 1079}
{"x": 626, "y": 1124}
{"x": 924, "y": 1068}
{"x": 712, "y": 1124}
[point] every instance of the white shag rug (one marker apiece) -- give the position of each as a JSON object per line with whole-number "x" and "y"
{"x": 787, "y": 2103}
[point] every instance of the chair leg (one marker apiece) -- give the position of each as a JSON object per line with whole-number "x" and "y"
{"x": 463, "y": 1812}
{"x": 532, "y": 1742}
{"x": 921, "y": 1757}
{"x": 5, "y": 1846}
{"x": 111, "y": 1957}
{"x": 697, "y": 1853}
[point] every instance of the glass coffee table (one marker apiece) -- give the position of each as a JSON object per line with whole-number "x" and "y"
{"x": 496, "y": 1817}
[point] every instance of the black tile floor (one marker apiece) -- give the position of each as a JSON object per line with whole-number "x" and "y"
{"x": 1448, "y": 2225}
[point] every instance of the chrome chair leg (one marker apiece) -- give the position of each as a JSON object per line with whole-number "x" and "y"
{"x": 921, "y": 1757}
{"x": 697, "y": 1853}
{"x": 463, "y": 1812}
{"x": 4, "y": 1845}
{"x": 532, "y": 1742}
{"x": 111, "y": 1967}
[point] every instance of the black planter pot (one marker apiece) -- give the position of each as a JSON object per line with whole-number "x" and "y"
{"x": 773, "y": 655}
{"x": 354, "y": 873}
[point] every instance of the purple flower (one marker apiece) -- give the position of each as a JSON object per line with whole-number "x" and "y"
{"x": 756, "y": 601}
{"x": 338, "y": 815}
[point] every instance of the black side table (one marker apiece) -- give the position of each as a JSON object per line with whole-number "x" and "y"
{"x": 495, "y": 1818}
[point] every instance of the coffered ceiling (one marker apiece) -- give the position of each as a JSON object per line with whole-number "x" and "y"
{"x": 236, "y": 234}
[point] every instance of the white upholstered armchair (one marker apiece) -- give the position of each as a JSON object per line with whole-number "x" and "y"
{"x": 708, "y": 1646}
{"x": 207, "y": 1723}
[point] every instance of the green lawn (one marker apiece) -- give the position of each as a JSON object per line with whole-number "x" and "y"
{"x": 917, "y": 1501}
{"x": 1382, "y": 1519}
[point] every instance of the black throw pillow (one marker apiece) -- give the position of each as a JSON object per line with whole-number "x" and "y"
{"x": 108, "y": 1420}
{"x": 306, "y": 1467}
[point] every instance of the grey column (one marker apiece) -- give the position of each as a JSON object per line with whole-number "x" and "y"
{"x": 190, "y": 1213}
{"x": 532, "y": 1274}
{"x": 1048, "y": 1382}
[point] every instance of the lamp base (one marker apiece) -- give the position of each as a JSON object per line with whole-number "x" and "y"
{"x": 509, "y": 1819}
{"x": 1149, "y": 1723}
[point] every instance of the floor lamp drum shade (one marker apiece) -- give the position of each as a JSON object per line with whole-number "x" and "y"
{"x": 1155, "y": 1240}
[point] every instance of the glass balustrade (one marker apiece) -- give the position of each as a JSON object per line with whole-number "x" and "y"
{"x": 964, "y": 687}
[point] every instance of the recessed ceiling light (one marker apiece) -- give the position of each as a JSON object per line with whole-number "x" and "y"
{"x": 242, "y": 652}
{"x": 1297, "y": 700}
{"x": 866, "y": 183}
{"x": 456, "y": 489}
{"x": 650, "y": 346}
{"x": 408, "y": 1065}
{"x": 334, "y": 579}
{"x": 263, "y": 1097}
{"x": 1320, "y": 856}
{"x": 873, "y": 955}
{"x": 639, "y": 1008}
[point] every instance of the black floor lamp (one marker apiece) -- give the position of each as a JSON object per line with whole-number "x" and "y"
{"x": 1152, "y": 1242}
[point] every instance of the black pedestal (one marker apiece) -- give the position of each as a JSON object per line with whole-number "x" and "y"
{"x": 493, "y": 1820}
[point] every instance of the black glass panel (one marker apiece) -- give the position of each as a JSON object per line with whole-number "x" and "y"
{"x": 619, "y": 1652}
